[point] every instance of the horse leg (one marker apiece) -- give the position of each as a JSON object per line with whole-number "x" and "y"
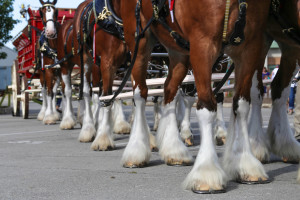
{"x": 180, "y": 107}
{"x": 283, "y": 142}
{"x": 259, "y": 141}
{"x": 171, "y": 148}
{"x": 49, "y": 114}
{"x": 88, "y": 130}
{"x": 220, "y": 128}
{"x": 41, "y": 114}
{"x": 54, "y": 90}
{"x": 206, "y": 176}
{"x": 121, "y": 126}
{"x": 157, "y": 112}
{"x": 239, "y": 162}
{"x": 185, "y": 125}
{"x": 68, "y": 121}
{"x": 104, "y": 137}
{"x": 80, "y": 111}
{"x": 95, "y": 97}
{"x": 95, "y": 108}
{"x": 137, "y": 152}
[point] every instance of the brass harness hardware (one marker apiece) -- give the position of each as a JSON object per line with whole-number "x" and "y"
{"x": 226, "y": 18}
{"x": 104, "y": 14}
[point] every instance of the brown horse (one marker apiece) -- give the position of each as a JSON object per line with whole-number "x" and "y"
{"x": 49, "y": 78}
{"x": 201, "y": 23}
{"x": 68, "y": 119}
{"x": 279, "y": 138}
{"x": 112, "y": 51}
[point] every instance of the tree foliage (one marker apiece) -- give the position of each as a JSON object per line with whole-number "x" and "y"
{"x": 6, "y": 23}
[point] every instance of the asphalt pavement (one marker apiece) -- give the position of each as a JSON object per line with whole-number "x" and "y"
{"x": 44, "y": 162}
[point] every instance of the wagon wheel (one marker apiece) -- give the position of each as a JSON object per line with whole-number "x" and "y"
{"x": 24, "y": 98}
{"x": 15, "y": 89}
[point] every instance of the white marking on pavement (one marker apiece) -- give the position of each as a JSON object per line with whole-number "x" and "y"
{"x": 22, "y": 133}
{"x": 26, "y": 142}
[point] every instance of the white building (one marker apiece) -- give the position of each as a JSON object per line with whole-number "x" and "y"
{"x": 5, "y": 67}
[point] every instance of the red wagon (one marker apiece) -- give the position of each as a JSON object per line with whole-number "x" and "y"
{"x": 23, "y": 67}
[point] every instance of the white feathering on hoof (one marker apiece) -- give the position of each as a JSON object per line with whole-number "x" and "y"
{"x": 88, "y": 130}
{"x": 157, "y": 112}
{"x": 104, "y": 138}
{"x": 280, "y": 133}
{"x": 171, "y": 148}
{"x": 239, "y": 162}
{"x": 185, "y": 125}
{"x": 68, "y": 121}
{"x": 137, "y": 151}
{"x": 259, "y": 141}
{"x": 206, "y": 170}
{"x": 220, "y": 130}
{"x": 49, "y": 117}
{"x": 41, "y": 114}
{"x": 121, "y": 126}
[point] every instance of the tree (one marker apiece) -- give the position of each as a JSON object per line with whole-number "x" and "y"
{"x": 6, "y": 23}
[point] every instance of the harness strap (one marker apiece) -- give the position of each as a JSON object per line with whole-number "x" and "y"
{"x": 224, "y": 79}
{"x": 94, "y": 43}
{"x": 68, "y": 55}
{"x": 180, "y": 41}
{"x": 36, "y": 29}
{"x": 67, "y": 38}
{"x": 238, "y": 35}
{"x": 61, "y": 60}
{"x": 46, "y": 49}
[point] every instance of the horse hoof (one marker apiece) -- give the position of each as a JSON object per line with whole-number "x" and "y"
{"x": 134, "y": 165}
{"x": 205, "y": 189}
{"x": 220, "y": 141}
{"x": 189, "y": 141}
{"x": 291, "y": 161}
{"x": 49, "y": 122}
{"x": 288, "y": 160}
{"x": 250, "y": 180}
{"x": 264, "y": 161}
{"x": 178, "y": 163}
{"x": 86, "y": 140}
{"x": 153, "y": 149}
{"x": 99, "y": 148}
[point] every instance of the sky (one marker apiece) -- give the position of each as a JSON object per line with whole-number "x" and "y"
{"x": 34, "y": 4}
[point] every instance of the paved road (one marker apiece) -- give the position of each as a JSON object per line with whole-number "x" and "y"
{"x": 43, "y": 162}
